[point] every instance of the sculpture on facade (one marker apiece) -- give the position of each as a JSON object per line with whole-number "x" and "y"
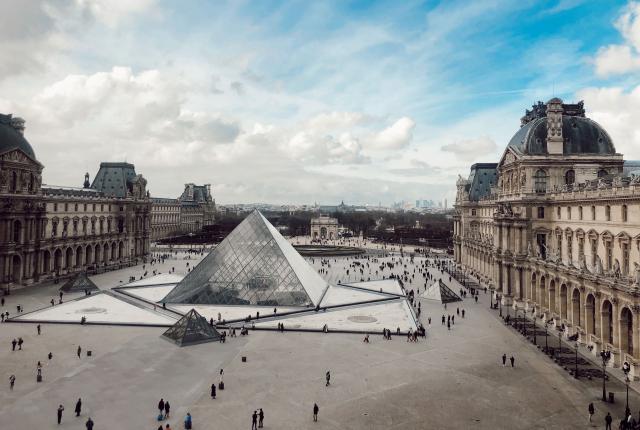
{"x": 598, "y": 269}
{"x": 616, "y": 269}
{"x": 636, "y": 282}
{"x": 529, "y": 250}
{"x": 582, "y": 264}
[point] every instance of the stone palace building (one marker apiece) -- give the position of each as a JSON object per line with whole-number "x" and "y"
{"x": 50, "y": 231}
{"x": 194, "y": 209}
{"x": 554, "y": 228}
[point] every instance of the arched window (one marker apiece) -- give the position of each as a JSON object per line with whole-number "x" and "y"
{"x": 570, "y": 177}
{"x": 540, "y": 181}
{"x": 17, "y": 228}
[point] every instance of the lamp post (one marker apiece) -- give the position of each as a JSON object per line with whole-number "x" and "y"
{"x": 560, "y": 330}
{"x": 535, "y": 331}
{"x": 576, "y": 369}
{"x": 500, "y": 299}
{"x": 546, "y": 336}
{"x": 605, "y": 356}
{"x": 626, "y": 368}
{"x": 524, "y": 321}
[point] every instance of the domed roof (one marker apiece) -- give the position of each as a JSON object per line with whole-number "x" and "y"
{"x": 11, "y": 138}
{"x": 581, "y": 136}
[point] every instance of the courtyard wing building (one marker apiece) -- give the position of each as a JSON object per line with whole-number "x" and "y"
{"x": 554, "y": 227}
{"x": 48, "y": 232}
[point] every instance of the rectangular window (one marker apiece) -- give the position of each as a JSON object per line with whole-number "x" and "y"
{"x": 594, "y": 252}
{"x": 625, "y": 213}
{"x": 580, "y": 248}
{"x": 580, "y": 213}
{"x": 625, "y": 259}
{"x": 570, "y": 248}
{"x": 593, "y": 213}
{"x": 541, "y": 240}
{"x": 55, "y": 207}
{"x": 94, "y": 207}
{"x": 609, "y": 249}
{"x": 607, "y": 213}
{"x": 559, "y": 211}
{"x": 541, "y": 212}
{"x": 85, "y": 207}
{"x": 569, "y": 212}
{"x": 66, "y": 207}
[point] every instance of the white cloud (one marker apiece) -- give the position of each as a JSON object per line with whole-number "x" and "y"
{"x": 310, "y": 147}
{"x": 618, "y": 111}
{"x": 625, "y": 58}
{"x": 396, "y": 136}
{"x": 111, "y": 12}
{"x": 471, "y": 149}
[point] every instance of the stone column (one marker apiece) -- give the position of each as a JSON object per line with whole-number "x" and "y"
{"x": 636, "y": 335}
{"x": 616, "y": 323}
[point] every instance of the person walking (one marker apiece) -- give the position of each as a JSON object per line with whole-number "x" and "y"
{"x": 213, "y": 390}
{"x": 79, "y": 351}
{"x": 188, "y": 423}
{"x": 591, "y": 411}
{"x": 608, "y": 420}
{"x": 78, "y": 407}
{"x": 254, "y": 421}
{"x": 38, "y": 328}
{"x": 504, "y": 360}
{"x": 260, "y": 418}
{"x": 328, "y": 378}
{"x": 20, "y": 342}
{"x": 167, "y": 408}
{"x": 12, "y": 381}
{"x": 14, "y": 342}
{"x": 60, "y": 409}
{"x": 512, "y": 361}
{"x": 316, "y": 409}
{"x": 89, "y": 424}
{"x": 161, "y": 407}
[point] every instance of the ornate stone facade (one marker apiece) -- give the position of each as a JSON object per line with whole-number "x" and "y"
{"x": 165, "y": 218}
{"x": 555, "y": 229}
{"x": 49, "y": 232}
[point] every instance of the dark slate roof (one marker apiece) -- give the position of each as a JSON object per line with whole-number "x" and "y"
{"x": 114, "y": 179}
{"x": 53, "y": 190}
{"x": 482, "y": 176}
{"x": 11, "y": 139}
{"x": 581, "y": 136}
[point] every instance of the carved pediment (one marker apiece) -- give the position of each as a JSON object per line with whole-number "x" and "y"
{"x": 17, "y": 156}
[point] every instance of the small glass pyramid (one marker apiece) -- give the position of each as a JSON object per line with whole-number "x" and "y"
{"x": 191, "y": 329}
{"x": 253, "y": 265}
{"x": 80, "y": 282}
{"x": 440, "y": 292}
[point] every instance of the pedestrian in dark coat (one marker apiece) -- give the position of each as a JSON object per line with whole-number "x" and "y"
{"x": 60, "y": 409}
{"x": 608, "y": 420}
{"x": 89, "y": 424}
{"x": 79, "y": 351}
{"x": 78, "y": 407}
{"x": 254, "y": 421}
{"x": 161, "y": 406}
{"x": 13, "y": 344}
{"x": 316, "y": 409}
{"x": 213, "y": 390}
{"x": 504, "y": 360}
{"x": 167, "y": 409}
{"x": 260, "y": 418}
{"x": 512, "y": 361}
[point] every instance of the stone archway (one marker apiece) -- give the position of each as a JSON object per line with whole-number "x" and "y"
{"x": 575, "y": 308}
{"x": 88, "y": 253}
{"x": 121, "y": 251}
{"x": 626, "y": 331}
{"x": 543, "y": 292}
{"x": 323, "y": 232}
{"x": 46, "y": 262}
{"x": 68, "y": 260}
{"x": 105, "y": 253}
{"x": 607, "y": 321}
{"x": 552, "y": 295}
{"x": 79, "y": 254}
{"x": 16, "y": 269}
{"x": 57, "y": 261}
{"x": 97, "y": 253}
{"x": 534, "y": 287}
{"x": 590, "y": 314}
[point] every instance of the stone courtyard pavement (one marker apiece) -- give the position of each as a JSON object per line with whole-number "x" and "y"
{"x": 452, "y": 379}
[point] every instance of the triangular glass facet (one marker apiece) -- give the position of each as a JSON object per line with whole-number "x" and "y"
{"x": 253, "y": 265}
{"x": 191, "y": 329}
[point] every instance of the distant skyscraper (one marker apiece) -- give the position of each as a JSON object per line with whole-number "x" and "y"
{"x": 445, "y": 204}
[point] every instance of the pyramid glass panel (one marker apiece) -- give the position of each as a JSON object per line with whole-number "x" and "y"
{"x": 253, "y": 265}
{"x": 80, "y": 282}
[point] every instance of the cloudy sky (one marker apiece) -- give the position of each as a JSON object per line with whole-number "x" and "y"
{"x": 299, "y": 101}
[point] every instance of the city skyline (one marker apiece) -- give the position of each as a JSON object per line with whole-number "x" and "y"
{"x": 357, "y": 102}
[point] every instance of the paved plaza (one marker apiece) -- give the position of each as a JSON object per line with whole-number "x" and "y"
{"x": 451, "y": 379}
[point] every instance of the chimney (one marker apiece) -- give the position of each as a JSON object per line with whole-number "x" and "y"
{"x": 554, "y": 127}
{"x": 18, "y": 124}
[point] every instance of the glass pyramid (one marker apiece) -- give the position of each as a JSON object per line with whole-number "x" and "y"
{"x": 80, "y": 282}
{"x": 191, "y": 329}
{"x": 253, "y": 265}
{"x": 440, "y": 292}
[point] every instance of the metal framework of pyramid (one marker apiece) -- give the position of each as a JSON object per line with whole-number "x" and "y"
{"x": 80, "y": 282}
{"x": 253, "y": 265}
{"x": 191, "y": 329}
{"x": 440, "y": 292}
